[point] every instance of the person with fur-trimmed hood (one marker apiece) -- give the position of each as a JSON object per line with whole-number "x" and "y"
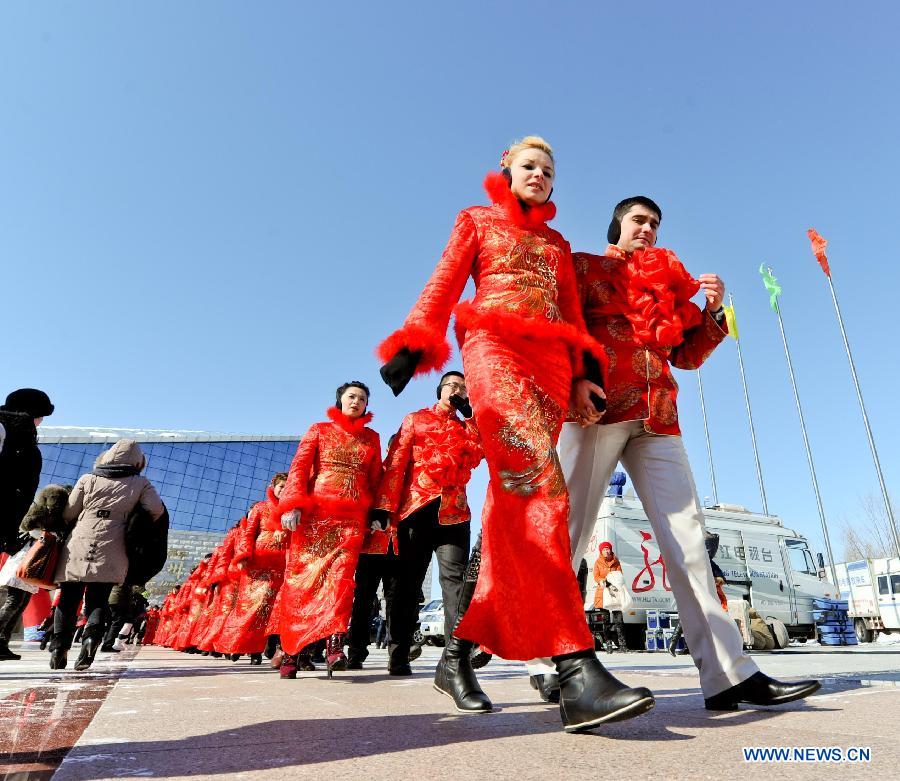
{"x": 325, "y": 505}
{"x": 20, "y": 460}
{"x": 528, "y": 359}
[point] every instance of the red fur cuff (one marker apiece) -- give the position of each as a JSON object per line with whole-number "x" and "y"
{"x": 434, "y": 347}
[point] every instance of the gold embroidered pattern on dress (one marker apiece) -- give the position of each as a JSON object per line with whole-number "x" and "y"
{"x": 646, "y": 363}
{"x": 527, "y": 430}
{"x": 344, "y": 465}
{"x": 532, "y": 287}
{"x": 620, "y": 329}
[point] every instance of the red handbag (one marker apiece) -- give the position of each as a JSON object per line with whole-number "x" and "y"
{"x": 39, "y": 564}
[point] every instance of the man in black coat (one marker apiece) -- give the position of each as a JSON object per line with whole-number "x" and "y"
{"x": 20, "y": 460}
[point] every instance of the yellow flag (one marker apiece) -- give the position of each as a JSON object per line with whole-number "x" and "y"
{"x": 731, "y": 319}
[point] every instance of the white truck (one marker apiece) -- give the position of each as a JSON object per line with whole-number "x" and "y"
{"x": 765, "y": 563}
{"x": 872, "y": 589}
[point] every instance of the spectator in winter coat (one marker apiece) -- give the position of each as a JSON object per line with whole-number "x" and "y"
{"x": 94, "y": 557}
{"x": 20, "y": 460}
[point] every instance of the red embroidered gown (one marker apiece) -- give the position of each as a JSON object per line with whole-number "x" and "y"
{"x": 259, "y": 556}
{"x": 190, "y": 606}
{"x": 521, "y": 338}
{"x": 332, "y": 480}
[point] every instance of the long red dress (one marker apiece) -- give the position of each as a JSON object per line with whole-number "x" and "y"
{"x": 332, "y": 481}
{"x": 259, "y": 554}
{"x": 226, "y": 583}
{"x": 190, "y": 606}
{"x": 522, "y": 340}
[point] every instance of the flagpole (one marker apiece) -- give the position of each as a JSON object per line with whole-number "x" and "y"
{"x": 759, "y": 476}
{"x": 712, "y": 468}
{"x": 862, "y": 406}
{"x": 809, "y": 458}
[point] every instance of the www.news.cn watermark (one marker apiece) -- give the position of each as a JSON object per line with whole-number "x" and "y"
{"x": 807, "y": 754}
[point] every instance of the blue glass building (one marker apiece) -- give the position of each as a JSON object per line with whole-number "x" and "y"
{"x": 208, "y": 481}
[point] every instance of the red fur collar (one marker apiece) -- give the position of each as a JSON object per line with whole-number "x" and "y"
{"x": 350, "y": 425}
{"x": 524, "y": 216}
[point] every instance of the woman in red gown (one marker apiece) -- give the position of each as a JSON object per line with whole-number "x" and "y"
{"x": 259, "y": 557}
{"x": 325, "y": 505}
{"x": 528, "y": 360}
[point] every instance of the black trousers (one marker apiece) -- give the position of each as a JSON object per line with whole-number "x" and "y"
{"x": 418, "y": 537}
{"x": 372, "y": 569}
{"x": 96, "y": 607}
{"x": 12, "y": 604}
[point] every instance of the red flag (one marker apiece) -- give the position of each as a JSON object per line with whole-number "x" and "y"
{"x": 818, "y": 247}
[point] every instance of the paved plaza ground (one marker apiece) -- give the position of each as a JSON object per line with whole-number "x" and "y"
{"x": 156, "y": 713}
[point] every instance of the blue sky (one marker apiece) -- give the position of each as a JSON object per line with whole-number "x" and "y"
{"x": 210, "y": 213}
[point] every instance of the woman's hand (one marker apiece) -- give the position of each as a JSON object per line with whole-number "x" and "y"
{"x": 581, "y": 405}
{"x": 290, "y": 520}
{"x": 714, "y": 289}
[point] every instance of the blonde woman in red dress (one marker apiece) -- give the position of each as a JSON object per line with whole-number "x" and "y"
{"x": 528, "y": 360}
{"x": 325, "y": 505}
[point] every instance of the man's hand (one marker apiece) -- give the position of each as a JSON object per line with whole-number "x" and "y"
{"x": 581, "y": 405}
{"x": 290, "y": 520}
{"x": 714, "y": 289}
{"x": 379, "y": 519}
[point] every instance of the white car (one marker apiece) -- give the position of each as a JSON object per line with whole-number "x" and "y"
{"x": 431, "y": 622}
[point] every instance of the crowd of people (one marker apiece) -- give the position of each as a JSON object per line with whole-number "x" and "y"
{"x": 566, "y": 372}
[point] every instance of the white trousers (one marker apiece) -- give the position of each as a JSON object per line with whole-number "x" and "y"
{"x": 661, "y": 475}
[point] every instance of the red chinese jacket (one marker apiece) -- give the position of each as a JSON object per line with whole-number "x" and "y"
{"x": 337, "y": 469}
{"x": 432, "y": 457}
{"x": 638, "y": 307}
{"x": 524, "y": 284}
{"x": 262, "y": 543}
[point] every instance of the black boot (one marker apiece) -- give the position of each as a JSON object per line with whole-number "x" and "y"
{"x": 546, "y": 685}
{"x": 58, "y": 659}
{"x": 271, "y": 646}
{"x": 6, "y": 655}
{"x": 89, "y": 645}
{"x": 760, "y": 689}
{"x": 255, "y": 659}
{"x": 455, "y": 675}
{"x": 590, "y": 695}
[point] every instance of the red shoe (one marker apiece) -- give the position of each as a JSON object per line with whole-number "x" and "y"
{"x": 288, "y": 667}
{"x": 335, "y": 660}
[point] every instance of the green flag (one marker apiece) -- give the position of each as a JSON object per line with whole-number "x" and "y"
{"x": 771, "y": 285}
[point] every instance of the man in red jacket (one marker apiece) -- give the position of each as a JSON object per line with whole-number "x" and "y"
{"x": 424, "y": 488}
{"x": 636, "y": 303}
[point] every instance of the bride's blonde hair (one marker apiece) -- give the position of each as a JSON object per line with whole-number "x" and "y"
{"x": 529, "y": 142}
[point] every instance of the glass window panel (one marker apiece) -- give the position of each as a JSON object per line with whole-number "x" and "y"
{"x": 201, "y": 522}
{"x": 191, "y": 481}
{"x": 197, "y": 458}
{"x": 233, "y": 452}
{"x": 216, "y": 451}
{"x": 70, "y": 471}
{"x": 246, "y": 470}
{"x": 155, "y": 475}
{"x": 227, "y": 478}
{"x": 193, "y": 470}
{"x": 180, "y": 453}
{"x": 238, "y": 505}
{"x": 262, "y": 462}
{"x": 248, "y": 458}
{"x": 162, "y": 450}
{"x": 249, "y": 447}
{"x": 169, "y": 491}
{"x": 241, "y": 492}
{"x": 209, "y": 485}
{"x": 261, "y": 474}
{"x": 229, "y": 468}
{"x": 221, "y": 512}
{"x": 214, "y": 463}
{"x": 222, "y": 500}
{"x": 200, "y": 447}
{"x": 159, "y": 463}
{"x": 206, "y": 496}
{"x": 50, "y": 452}
{"x": 204, "y": 508}
{"x": 189, "y": 493}
{"x": 184, "y": 506}
{"x": 211, "y": 474}
{"x": 69, "y": 456}
{"x": 244, "y": 482}
{"x": 225, "y": 489}
{"x": 174, "y": 477}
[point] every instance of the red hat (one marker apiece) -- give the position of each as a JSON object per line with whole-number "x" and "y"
{"x": 605, "y": 545}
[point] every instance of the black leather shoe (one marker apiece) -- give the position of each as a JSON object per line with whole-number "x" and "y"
{"x": 415, "y": 651}
{"x": 547, "y": 686}
{"x": 400, "y": 670}
{"x": 6, "y": 655}
{"x": 354, "y": 664}
{"x": 455, "y": 677}
{"x": 760, "y": 689}
{"x": 86, "y": 657}
{"x": 255, "y": 659}
{"x": 589, "y": 695}
{"x": 58, "y": 659}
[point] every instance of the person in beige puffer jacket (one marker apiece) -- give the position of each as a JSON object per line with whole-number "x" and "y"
{"x": 94, "y": 557}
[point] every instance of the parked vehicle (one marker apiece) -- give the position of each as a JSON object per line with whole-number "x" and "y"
{"x": 765, "y": 563}
{"x": 431, "y": 622}
{"x": 872, "y": 590}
